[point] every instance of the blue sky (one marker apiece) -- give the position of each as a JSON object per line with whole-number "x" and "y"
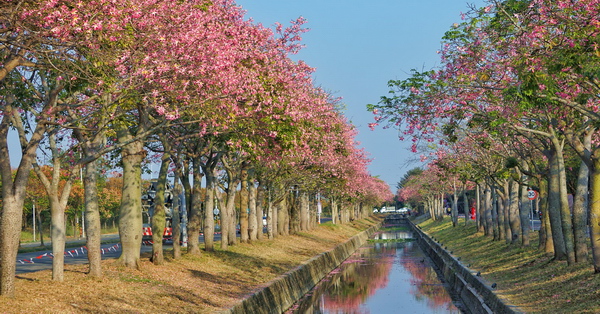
{"x": 357, "y": 47}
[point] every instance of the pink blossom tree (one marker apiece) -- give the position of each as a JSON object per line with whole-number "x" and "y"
{"x": 513, "y": 64}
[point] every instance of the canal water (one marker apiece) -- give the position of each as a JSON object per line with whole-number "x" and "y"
{"x": 389, "y": 274}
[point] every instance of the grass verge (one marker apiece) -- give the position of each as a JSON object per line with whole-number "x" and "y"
{"x": 527, "y": 277}
{"x": 208, "y": 283}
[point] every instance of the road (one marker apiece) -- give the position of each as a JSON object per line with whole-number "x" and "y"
{"x": 41, "y": 260}
{"x": 536, "y": 223}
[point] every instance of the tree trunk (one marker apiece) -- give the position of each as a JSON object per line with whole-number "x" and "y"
{"x": 93, "y": 229}
{"x": 260, "y": 207}
{"x": 273, "y": 222}
{"x": 515, "y": 220}
{"x": 186, "y": 204}
{"x": 232, "y": 212}
{"x": 224, "y": 220}
{"x": 228, "y": 216}
{"x": 565, "y": 211}
{"x": 454, "y": 211}
{"x": 195, "y": 211}
{"x": 176, "y": 220}
{"x": 234, "y": 224}
{"x": 14, "y": 189}
{"x": 334, "y": 211}
{"x": 281, "y": 216}
{"x": 58, "y": 204}
{"x": 487, "y": 212}
{"x": 505, "y": 218}
{"x": 592, "y": 160}
{"x": 252, "y": 215}
{"x": 503, "y": 225}
{"x": 524, "y": 212}
{"x": 478, "y": 209}
{"x": 498, "y": 211}
{"x": 159, "y": 214}
{"x": 304, "y": 212}
{"x": 209, "y": 215}
{"x": 595, "y": 214}
{"x": 466, "y": 210}
{"x": 580, "y": 214}
{"x": 546, "y": 238}
{"x": 315, "y": 217}
{"x": 270, "y": 215}
{"x": 11, "y": 227}
{"x": 294, "y": 212}
{"x": 58, "y": 236}
{"x": 441, "y": 211}
{"x": 244, "y": 203}
{"x": 130, "y": 213}
{"x": 553, "y": 209}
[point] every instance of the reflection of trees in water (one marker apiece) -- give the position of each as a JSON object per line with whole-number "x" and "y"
{"x": 366, "y": 271}
{"x": 361, "y": 277}
{"x": 425, "y": 280}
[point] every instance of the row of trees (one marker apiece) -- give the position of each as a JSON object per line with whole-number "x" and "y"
{"x": 192, "y": 85}
{"x": 37, "y": 203}
{"x": 513, "y": 106}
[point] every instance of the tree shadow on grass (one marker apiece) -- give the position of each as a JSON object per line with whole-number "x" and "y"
{"x": 252, "y": 264}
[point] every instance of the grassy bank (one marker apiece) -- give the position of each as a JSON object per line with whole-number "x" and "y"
{"x": 528, "y": 278}
{"x": 201, "y": 284}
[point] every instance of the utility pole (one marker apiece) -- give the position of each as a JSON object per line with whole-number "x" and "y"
{"x": 83, "y": 204}
{"x": 33, "y": 221}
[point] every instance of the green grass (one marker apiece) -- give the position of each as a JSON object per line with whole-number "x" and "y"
{"x": 527, "y": 277}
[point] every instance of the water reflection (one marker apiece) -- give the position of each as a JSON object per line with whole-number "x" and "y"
{"x": 388, "y": 275}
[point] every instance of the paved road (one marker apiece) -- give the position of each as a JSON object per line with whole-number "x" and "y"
{"x": 536, "y": 223}
{"x": 41, "y": 260}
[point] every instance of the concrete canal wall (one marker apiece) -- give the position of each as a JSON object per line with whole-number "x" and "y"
{"x": 475, "y": 294}
{"x": 283, "y": 292}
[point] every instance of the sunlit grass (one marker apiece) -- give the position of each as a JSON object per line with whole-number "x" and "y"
{"x": 207, "y": 283}
{"x": 527, "y": 277}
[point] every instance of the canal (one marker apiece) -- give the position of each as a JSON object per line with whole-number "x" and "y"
{"x": 389, "y": 274}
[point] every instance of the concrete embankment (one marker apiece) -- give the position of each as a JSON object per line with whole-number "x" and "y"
{"x": 475, "y": 295}
{"x": 283, "y": 292}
